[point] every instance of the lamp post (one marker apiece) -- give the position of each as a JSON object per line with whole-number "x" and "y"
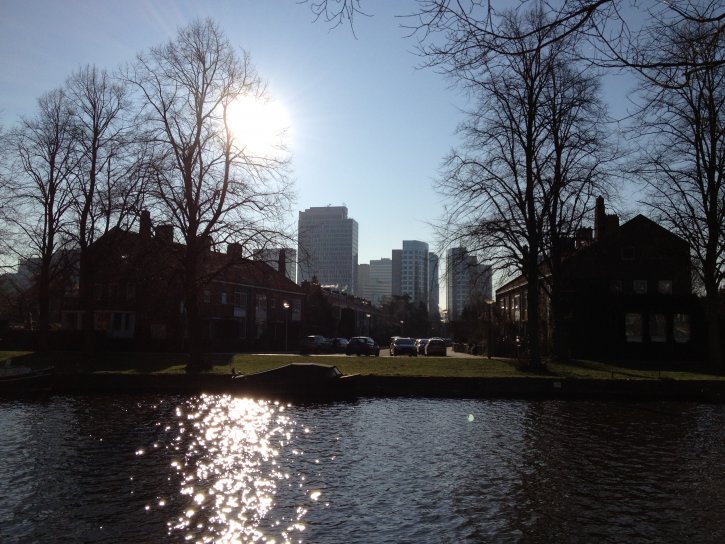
{"x": 489, "y": 303}
{"x": 402, "y": 328}
{"x": 368, "y": 321}
{"x": 285, "y": 305}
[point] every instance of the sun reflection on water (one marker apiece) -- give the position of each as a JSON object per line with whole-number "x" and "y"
{"x": 230, "y": 471}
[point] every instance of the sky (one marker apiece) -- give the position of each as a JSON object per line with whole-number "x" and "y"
{"x": 368, "y": 127}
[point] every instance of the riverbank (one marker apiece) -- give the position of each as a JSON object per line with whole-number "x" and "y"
{"x": 441, "y": 377}
{"x": 404, "y": 386}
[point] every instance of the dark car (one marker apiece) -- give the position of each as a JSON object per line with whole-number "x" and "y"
{"x": 436, "y": 346}
{"x": 403, "y": 346}
{"x": 338, "y": 345}
{"x": 362, "y": 345}
{"x": 315, "y": 344}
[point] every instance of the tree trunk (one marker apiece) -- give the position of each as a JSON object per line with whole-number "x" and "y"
{"x": 712, "y": 312}
{"x": 532, "y": 311}
{"x": 87, "y": 303}
{"x": 44, "y": 307}
{"x": 196, "y": 362}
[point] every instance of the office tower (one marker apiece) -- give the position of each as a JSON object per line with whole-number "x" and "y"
{"x": 412, "y": 271}
{"x": 380, "y": 286}
{"x": 327, "y": 248}
{"x": 363, "y": 281}
{"x": 466, "y": 281}
{"x": 280, "y": 256}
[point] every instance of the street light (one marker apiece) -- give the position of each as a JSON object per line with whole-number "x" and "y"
{"x": 402, "y": 328}
{"x": 489, "y": 303}
{"x": 368, "y": 318}
{"x": 285, "y": 305}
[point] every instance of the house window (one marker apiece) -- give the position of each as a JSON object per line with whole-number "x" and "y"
{"x": 224, "y": 297}
{"x": 639, "y": 287}
{"x": 633, "y": 327}
{"x": 681, "y": 328}
{"x": 658, "y": 328}
{"x": 615, "y": 287}
{"x": 664, "y": 287}
{"x": 207, "y": 296}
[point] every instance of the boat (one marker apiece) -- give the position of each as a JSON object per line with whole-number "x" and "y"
{"x": 298, "y": 381}
{"x": 21, "y": 380}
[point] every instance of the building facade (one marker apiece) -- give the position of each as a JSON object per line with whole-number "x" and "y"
{"x": 380, "y": 286}
{"x": 328, "y": 248}
{"x": 626, "y": 292}
{"x": 466, "y": 280}
{"x": 410, "y": 271}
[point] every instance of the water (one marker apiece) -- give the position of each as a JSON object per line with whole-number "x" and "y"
{"x": 225, "y": 469}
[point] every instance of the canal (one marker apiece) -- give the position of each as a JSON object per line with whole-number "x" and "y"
{"x": 216, "y": 468}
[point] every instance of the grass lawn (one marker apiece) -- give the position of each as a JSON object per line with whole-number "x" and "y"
{"x": 174, "y": 363}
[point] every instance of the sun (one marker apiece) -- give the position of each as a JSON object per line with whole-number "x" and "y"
{"x": 259, "y": 125}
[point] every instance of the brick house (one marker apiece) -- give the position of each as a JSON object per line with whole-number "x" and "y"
{"x": 138, "y": 303}
{"x": 627, "y": 293}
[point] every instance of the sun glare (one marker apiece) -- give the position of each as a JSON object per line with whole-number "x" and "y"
{"x": 259, "y": 126}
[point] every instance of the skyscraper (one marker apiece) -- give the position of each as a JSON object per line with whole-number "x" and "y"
{"x": 466, "y": 280}
{"x": 327, "y": 247}
{"x": 410, "y": 271}
{"x": 380, "y": 286}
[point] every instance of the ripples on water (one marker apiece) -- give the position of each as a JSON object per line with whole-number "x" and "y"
{"x": 225, "y": 469}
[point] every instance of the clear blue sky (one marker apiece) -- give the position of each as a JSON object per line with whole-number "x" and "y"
{"x": 369, "y": 129}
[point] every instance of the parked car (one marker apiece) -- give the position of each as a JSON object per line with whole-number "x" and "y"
{"x": 338, "y": 345}
{"x": 315, "y": 343}
{"x": 362, "y": 345}
{"x": 403, "y": 346}
{"x": 420, "y": 345}
{"x": 436, "y": 346}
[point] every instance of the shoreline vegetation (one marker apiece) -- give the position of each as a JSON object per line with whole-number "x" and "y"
{"x": 475, "y": 377}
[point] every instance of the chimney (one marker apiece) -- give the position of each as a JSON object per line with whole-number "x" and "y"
{"x": 144, "y": 227}
{"x": 234, "y": 250}
{"x": 599, "y": 219}
{"x": 282, "y": 262}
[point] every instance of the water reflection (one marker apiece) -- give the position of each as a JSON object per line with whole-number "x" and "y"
{"x": 230, "y": 471}
{"x": 223, "y": 469}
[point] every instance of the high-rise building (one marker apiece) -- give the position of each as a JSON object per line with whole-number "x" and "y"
{"x": 380, "y": 286}
{"x": 327, "y": 248}
{"x": 410, "y": 271}
{"x": 280, "y": 256}
{"x": 466, "y": 280}
{"x": 363, "y": 281}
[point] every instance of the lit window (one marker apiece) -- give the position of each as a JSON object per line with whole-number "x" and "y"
{"x": 640, "y": 287}
{"x": 664, "y": 287}
{"x": 681, "y": 328}
{"x": 658, "y": 328}
{"x": 633, "y": 327}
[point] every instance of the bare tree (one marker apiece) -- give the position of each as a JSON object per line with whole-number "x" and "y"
{"x": 522, "y": 181}
{"x": 681, "y": 129}
{"x": 44, "y": 147}
{"x": 106, "y": 188}
{"x": 208, "y": 184}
